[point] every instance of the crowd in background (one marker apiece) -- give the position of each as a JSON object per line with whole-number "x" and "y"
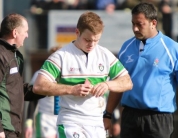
{"x": 40, "y": 8}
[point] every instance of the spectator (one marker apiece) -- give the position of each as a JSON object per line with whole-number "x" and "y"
{"x": 167, "y": 19}
{"x": 40, "y": 9}
{"x": 107, "y": 5}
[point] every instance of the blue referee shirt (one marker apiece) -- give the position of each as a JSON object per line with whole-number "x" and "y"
{"x": 154, "y": 73}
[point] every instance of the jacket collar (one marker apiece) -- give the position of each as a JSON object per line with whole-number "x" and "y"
{"x": 7, "y": 45}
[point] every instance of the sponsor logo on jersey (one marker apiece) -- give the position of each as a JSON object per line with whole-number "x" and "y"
{"x": 72, "y": 69}
{"x": 76, "y": 135}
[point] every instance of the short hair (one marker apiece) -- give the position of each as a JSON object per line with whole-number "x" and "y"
{"x": 10, "y": 22}
{"x": 91, "y": 21}
{"x": 147, "y": 9}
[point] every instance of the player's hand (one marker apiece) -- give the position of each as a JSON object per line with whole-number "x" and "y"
{"x": 99, "y": 89}
{"x": 29, "y": 132}
{"x": 82, "y": 89}
{"x": 2, "y": 135}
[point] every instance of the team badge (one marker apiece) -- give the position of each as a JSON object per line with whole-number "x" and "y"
{"x": 156, "y": 62}
{"x": 101, "y": 67}
{"x": 76, "y": 135}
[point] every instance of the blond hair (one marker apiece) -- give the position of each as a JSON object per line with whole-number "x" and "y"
{"x": 91, "y": 21}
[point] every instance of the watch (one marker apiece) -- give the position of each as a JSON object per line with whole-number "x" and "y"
{"x": 107, "y": 114}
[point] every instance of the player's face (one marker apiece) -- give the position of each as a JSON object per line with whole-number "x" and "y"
{"x": 87, "y": 40}
{"x": 143, "y": 28}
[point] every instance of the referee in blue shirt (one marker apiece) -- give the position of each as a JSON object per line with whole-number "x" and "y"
{"x": 151, "y": 59}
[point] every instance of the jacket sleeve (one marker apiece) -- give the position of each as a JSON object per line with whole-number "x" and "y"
{"x": 29, "y": 95}
{"x": 1, "y": 127}
{"x": 31, "y": 109}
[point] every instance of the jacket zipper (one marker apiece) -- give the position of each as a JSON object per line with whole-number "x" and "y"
{"x": 17, "y": 61}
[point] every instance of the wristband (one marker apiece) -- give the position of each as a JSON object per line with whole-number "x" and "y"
{"x": 106, "y": 114}
{"x": 29, "y": 123}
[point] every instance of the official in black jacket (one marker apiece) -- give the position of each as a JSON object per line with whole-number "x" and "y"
{"x": 13, "y": 91}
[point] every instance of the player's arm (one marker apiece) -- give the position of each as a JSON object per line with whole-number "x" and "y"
{"x": 44, "y": 86}
{"x": 118, "y": 85}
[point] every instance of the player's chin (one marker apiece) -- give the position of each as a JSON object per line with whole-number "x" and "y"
{"x": 89, "y": 49}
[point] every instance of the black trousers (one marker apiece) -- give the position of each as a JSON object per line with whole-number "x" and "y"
{"x": 137, "y": 123}
{"x": 11, "y": 134}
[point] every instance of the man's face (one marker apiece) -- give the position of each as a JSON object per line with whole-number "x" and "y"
{"x": 21, "y": 34}
{"x": 87, "y": 40}
{"x": 142, "y": 27}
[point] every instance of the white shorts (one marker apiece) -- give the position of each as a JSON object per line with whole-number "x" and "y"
{"x": 45, "y": 125}
{"x": 80, "y": 131}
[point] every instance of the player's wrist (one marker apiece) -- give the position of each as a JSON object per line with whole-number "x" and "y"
{"x": 107, "y": 84}
{"x": 29, "y": 123}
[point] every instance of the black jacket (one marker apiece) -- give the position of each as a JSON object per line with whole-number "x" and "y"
{"x": 13, "y": 91}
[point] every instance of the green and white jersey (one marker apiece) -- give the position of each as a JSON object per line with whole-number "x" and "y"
{"x": 70, "y": 65}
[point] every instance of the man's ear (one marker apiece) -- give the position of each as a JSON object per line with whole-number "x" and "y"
{"x": 14, "y": 33}
{"x": 154, "y": 23}
{"x": 77, "y": 32}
